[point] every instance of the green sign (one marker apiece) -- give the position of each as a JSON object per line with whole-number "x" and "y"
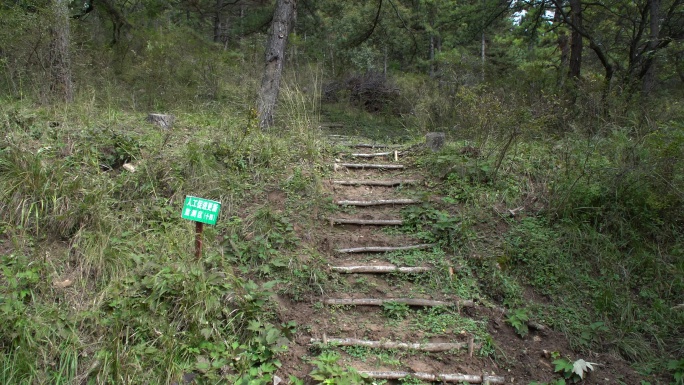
{"x": 201, "y": 210}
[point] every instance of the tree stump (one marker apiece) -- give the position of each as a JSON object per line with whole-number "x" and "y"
{"x": 162, "y": 120}
{"x": 435, "y": 140}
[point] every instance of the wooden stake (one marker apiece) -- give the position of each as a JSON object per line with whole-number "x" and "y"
{"x": 199, "y": 227}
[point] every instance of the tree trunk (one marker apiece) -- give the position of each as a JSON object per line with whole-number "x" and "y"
{"x": 563, "y": 48}
{"x": 649, "y": 64}
{"x": 576, "y": 40}
{"x": 283, "y": 21}
{"x": 220, "y": 24}
{"x": 61, "y": 84}
{"x": 119, "y": 23}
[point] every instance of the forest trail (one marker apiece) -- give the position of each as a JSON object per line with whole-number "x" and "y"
{"x": 382, "y": 318}
{"x": 390, "y": 308}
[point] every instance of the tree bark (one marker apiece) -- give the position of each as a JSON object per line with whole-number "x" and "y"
{"x": 283, "y": 22}
{"x": 563, "y": 48}
{"x": 61, "y": 84}
{"x": 648, "y": 81}
{"x": 576, "y": 40}
{"x": 220, "y": 24}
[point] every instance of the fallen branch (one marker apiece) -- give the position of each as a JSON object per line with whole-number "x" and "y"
{"x": 424, "y": 347}
{"x": 383, "y": 249}
{"x": 379, "y": 269}
{"x": 470, "y": 378}
{"x": 407, "y": 301}
{"x": 376, "y": 222}
{"x": 378, "y": 202}
{"x": 386, "y": 183}
{"x": 370, "y": 165}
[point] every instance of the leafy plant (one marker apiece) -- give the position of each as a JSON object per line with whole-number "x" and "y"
{"x": 592, "y": 333}
{"x": 573, "y": 371}
{"x": 518, "y": 319}
{"x": 433, "y": 225}
{"x": 677, "y": 369}
{"x": 328, "y": 371}
{"x": 395, "y": 310}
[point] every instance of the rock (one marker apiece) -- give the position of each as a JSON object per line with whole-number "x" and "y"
{"x": 129, "y": 167}
{"x": 162, "y": 120}
{"x": 435, "y": 140}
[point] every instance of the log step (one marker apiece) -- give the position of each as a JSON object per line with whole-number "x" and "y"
{"x": 423, "y": 347}
{"x": 378, "y": 202}
{"x": 370, "y": 165}
{"x": 374, "y": 155}
{"x": 370, "y": 222}
{"x": 379, "y": 269}
{"x": 407, "y": 301}
{"x": 384, "y": 183}
{"x": 468, "y": 378}
{"x": 385, "y": 249}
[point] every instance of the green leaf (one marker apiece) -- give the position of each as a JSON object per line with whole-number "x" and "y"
{"x": 562, "y": 365}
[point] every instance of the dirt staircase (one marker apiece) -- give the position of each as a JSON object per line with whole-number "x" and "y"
{"x": 369, "y": 316}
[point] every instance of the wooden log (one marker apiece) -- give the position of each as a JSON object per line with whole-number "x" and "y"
{"x": 384, "y": 249}
{"x": 407, "y": 301}
{"x": 371, "y": 222}
{"x": 379, "y": 269}
{"x": 367, "y": 145}
{"x": 373, "y": 155}
{"x": 370, "y": 165}
{"x": 378, "y": 202}
{"x": 384, "y": 183}
{"x": 423, "y": 347}
{"x": 469, "y": 378}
